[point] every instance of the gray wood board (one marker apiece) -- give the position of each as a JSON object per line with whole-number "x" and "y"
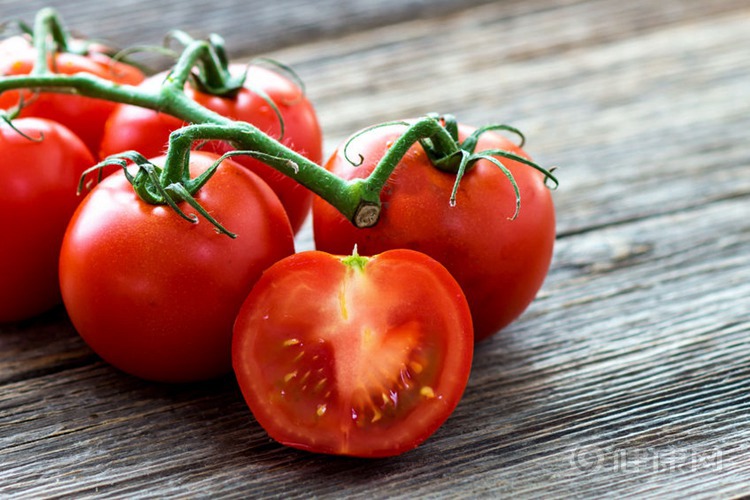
{"x": 629, "y": 374}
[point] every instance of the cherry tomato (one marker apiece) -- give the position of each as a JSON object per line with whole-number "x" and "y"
{"x": 500, "y": 263}
{"x": 155, "y": 295}
{"x": 353, "y": 355}
{"x": 147, "y": 131}
{"x": 39, "y": 176}
{"x": 83, "y": 115}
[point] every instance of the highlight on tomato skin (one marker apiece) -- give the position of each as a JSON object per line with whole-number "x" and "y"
{"x": 356, "y": 356}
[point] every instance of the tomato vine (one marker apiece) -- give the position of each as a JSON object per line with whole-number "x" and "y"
{"x": 358, "y": 200}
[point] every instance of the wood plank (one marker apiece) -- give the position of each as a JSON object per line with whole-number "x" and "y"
{"x": 596, "y": 369}
{"x": 629, "y": 375}
{"x": 249, "y": 27}
{"x": 636, "y": 110}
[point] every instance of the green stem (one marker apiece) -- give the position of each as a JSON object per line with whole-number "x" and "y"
{"x": 47, "y": 22}
{"x": 358, "y": 199}
{"x": 170, "y": 99}
{"x": 427, "y": 128}
{"x": 210, "y": 58}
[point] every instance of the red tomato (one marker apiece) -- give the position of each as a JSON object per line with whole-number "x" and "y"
{"x": 39, "y": 176}
{"x": 499, "y": 263}
{"x": 155, "y": 295}
{"x": 353, "y": 355}
{"x": 83, "y": 115}
{"x": 147, "y": 131}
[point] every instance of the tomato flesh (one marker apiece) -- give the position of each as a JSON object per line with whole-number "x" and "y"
{"x": 365, "y": 358}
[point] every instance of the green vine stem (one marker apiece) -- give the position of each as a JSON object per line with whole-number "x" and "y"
{"x": 358, "y": 200}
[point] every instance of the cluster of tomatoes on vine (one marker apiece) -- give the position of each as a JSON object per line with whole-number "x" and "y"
{"x": 362, "y": 347}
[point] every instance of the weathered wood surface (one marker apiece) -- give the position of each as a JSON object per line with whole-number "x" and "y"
{"x": 630, "y": 373}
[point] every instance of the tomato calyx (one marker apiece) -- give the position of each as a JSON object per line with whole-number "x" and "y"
{"x": 438, "y": 136}
{"x": 171, "y": 183}
{"x": 210, "y": 71}
{"x": 355, "y": 261}
{"x": 153, "y": 185}
{"x": 461, "y": 155}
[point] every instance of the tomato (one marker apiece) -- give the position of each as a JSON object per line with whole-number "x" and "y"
{"x": 39, "y": 176}
{"x": 155, "y": 295}
{"x": 147, "y": 131}
{"x": 353, "y": 355}
{"x": 83, "y": 115}
{"x": 500, "y": 263}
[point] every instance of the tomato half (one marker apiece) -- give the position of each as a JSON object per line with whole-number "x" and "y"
{"x": 83, "y": 115}
{"x": 500, "y": 263}
{"x": 352, "y": 355}
{"x": 147, "y": 131}
{"x": 39, "y": 176}
{"x": 155, "y": 295}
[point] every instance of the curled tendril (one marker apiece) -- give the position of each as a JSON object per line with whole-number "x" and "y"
{"x": 281, "y": 68}
{"x": 548, "y": 177}
{"x": 8, "y": 116}
{"x": 119, "y": 160}
{"x": 272, "y": 160}
{"x": 470, "y": 143}
{"x": 362, "y": 132}
{"x": 468, "y": 159}
{"x": 263, "y": 95}
{"x": 512, "y": 156}
{"x": 148, "y": 185}
{"x": 179, "y": 36}
{"x": 485, "y": 156}
{"x": 465, "y": 157}
{"x": 123, "y": 56}
{"x": 21, "y": 25}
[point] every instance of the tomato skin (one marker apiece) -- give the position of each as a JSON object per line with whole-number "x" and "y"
{"x": 147, "y": 131}
{"x": 362, "y": 361}
{"x": 85, "y": 116}
{"x": 155, "y": 295}
{"x": 500, "y": 263}
{"x": 39, "y": 179}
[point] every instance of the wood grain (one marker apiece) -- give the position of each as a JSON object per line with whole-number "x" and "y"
{"x": 630, "y": 373}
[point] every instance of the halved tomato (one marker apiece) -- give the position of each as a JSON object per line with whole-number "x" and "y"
{"x": 361, "y": 356}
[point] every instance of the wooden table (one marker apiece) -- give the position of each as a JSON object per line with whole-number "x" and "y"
{"x": 630, "y": 373}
